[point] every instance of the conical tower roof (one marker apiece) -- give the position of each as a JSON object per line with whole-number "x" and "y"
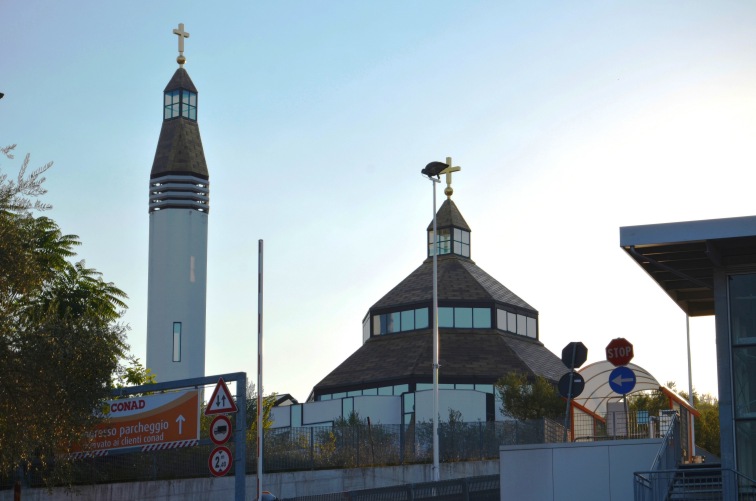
{"x": 179, "y": 150}
{"x": 469, "y": 354}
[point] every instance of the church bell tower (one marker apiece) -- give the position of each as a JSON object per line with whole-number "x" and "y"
{"x": 179, "y": 203}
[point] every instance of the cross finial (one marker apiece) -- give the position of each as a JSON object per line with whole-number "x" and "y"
{"x": 448, "y": 171}
{"x": 181, "y": 36}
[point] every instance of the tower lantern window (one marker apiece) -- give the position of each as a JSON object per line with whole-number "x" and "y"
{"x": 180, "y": 103}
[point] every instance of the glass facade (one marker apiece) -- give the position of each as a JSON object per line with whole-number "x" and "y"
{"x": 516, "y": 323}
{"x": 464, "y": 318}
{"x": 450, "y": 241}
{"x": 400, "y": 321}
{"x": 742, "y": 303}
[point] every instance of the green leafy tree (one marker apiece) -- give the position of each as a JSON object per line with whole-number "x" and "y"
{"x": 525, "y": 397}
{"x": 706, "y": 425}
{"x": 60, "y": 340}
{"x": 268, "y": 403}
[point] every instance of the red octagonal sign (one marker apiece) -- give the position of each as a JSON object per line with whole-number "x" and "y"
{"x": 619, "y": 351}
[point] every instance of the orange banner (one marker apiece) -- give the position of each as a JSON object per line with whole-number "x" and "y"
{"x": 148, "y": 421}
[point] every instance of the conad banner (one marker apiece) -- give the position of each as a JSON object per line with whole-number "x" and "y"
{"x": 160, "y": 421}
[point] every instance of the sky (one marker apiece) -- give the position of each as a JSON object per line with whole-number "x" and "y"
{"x": 569, "y": 120}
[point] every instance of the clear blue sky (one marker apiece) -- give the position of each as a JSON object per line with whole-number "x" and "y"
{"x": 569, "y": 120}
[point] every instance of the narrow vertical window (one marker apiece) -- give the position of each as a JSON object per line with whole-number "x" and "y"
{"x": 177, "y": 341}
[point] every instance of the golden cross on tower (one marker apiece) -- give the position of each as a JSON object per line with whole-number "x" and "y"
{"x": 448, "y": 171}
{"x": 181, "y": 36}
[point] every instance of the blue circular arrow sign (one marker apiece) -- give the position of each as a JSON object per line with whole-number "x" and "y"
{"x": 622, "y": 380}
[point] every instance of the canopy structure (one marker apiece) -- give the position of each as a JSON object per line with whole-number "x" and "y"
{"x": 597, "y": 391}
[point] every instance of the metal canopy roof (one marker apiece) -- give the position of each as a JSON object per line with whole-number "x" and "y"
{"x": 682, "y": 257}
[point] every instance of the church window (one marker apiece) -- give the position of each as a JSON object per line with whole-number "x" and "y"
{"x": 177, "y": 341}
{"x": 180, "y": 103}
{"x": 421, "y": 318}
{"x": 189, "y": 105}
{"x": 408, "y": 320}
{"x": 444, "y": 239}
{"x": 446, "y": 317}
{"x": 400, "y": 321}
{"x": 482, "y": 318}
{"x": 461, "y": 242}
{"x": 172, "y": 104}
{"x": 464, "y": 318}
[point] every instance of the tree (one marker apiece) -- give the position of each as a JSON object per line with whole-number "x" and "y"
{"x": 706, "y": 425}
{"x": 60, "y": 340}
{"x": 526, "y": 397}
{"x": 268, "y": 403}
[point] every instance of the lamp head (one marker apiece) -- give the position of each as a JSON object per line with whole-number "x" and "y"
{"x": 434, "y": 169}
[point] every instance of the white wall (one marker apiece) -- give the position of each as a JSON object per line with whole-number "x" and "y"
{"x": 380, "y": 409}
{"x": 284, "y": 485}
{"x": 588, "y": 471}
{"x": 472, "y": 405}
{"x": 177, "y": 292}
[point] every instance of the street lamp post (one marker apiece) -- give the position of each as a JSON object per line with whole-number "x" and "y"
{"x": 431, "y": 170}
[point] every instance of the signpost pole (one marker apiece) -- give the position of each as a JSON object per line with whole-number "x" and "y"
{"x": 260, "y": 370}
{"x": 240, "y": 439}
{"x": 569, "y": 394}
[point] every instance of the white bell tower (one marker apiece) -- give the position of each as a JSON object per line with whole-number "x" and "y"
{"x": 179, "y": 203}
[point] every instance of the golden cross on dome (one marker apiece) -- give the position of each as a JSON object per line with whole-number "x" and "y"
{"x": 448, "y": 171}
{"x": 181, "y": 36}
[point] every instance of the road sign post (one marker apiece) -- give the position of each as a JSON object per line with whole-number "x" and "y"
{"x": 619, "y": 351}
{"x": 622, "y": 380}
{"x": 220, "y": 429}
{"x": 573, "y": 356}
{"x": 220, "y": 461}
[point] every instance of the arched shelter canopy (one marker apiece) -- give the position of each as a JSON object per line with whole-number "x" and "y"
{"x": 597, "y": 391}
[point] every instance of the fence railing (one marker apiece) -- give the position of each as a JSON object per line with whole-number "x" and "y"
{"x": 343, "y": 445}
{"x": 699, "y": 483}
{"x": 308, "y": 448}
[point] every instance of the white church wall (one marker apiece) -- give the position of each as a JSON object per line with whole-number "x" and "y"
{"x": 472, "y": 405}
{"x": 380, "y": 409}
{"x": 281, "y": 417}
{"x": 321, "y": 412}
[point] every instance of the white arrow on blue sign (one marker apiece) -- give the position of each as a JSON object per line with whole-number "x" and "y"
{"x": 622, "y": 380}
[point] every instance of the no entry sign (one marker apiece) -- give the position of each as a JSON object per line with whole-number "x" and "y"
{"x": 619, "y": 351}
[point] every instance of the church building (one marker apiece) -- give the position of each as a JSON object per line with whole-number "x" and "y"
{"x": 485, "y": 330}
{"x": 178, "y": 211}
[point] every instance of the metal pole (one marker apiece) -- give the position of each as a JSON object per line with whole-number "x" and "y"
{"x": 569, "y": 393}
{"x": 690, "y": 392}
{"x": 436, "y": 467}
{"x": 259, "y": 368}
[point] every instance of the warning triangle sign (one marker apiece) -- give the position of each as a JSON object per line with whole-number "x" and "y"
{"x": 220, "y": 402}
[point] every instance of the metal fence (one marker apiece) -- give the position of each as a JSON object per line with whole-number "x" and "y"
{"x": 343, "y": 445}
{"x": 309, "y": 448}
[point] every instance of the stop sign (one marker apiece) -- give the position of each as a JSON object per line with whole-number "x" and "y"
{"x": 619, "y": 351}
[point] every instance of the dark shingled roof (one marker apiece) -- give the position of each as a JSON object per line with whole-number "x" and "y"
{"x": 458, "y": 279}
{"x": 449, "y": 215}
{"x": 181, "y": 80}
{"x": 466, "y": 356}
{"x": 179, "y": 149}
